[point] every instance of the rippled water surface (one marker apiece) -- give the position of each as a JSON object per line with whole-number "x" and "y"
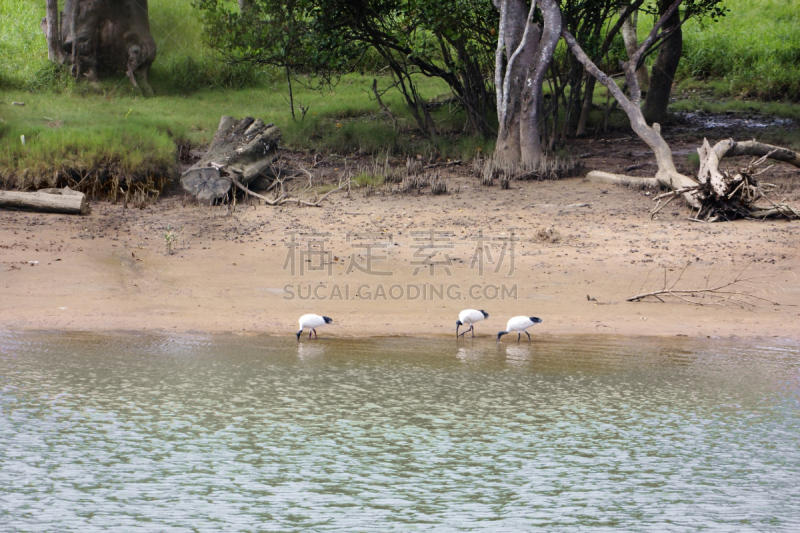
{"x": 224, "y": 433}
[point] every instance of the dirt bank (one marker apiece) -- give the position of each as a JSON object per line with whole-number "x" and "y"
{"x": 579, "y": 250}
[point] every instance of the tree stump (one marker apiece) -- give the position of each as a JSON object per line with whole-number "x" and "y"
{"x": 243, "y": 148}
{"x": 99, "y": 36}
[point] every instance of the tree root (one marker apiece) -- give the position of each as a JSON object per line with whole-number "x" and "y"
{"x": 285, "y": 197}
{"x": 730, "y": 196}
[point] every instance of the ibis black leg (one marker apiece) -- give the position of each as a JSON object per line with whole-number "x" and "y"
{"x": 315, "y": 334}
{"x": 472, "y": 329}
{"x": 529, "y": 336}
{"x": 519, "y": 336}
{"x": 309, "y": 334}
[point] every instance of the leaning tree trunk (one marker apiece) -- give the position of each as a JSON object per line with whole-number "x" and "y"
{"x": 241, "y": 149}
{"x": 667, "y": 174}
{"x": 664, "y": 68}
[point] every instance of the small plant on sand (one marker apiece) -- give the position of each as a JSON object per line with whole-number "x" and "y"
{"x": 170, "y": 238}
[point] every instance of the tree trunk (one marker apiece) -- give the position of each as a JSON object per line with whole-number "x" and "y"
{"x": 48, "y": 200}
{"x": 631, "y": 39}
{"x": 588, "y": 96}
{"x": 508, "y": 81}
{"x": 531, "y": 152}
{"x": 247, "y": 148}
{"x": 51, "y": 30}
{"x": 524, "y": 53}
{"x": 244, "y": 5}
{"x": 105, "y": 36}
{"x": 664, "y": 68}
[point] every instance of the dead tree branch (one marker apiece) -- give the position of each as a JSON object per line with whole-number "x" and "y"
{"x": 736, "y": 291}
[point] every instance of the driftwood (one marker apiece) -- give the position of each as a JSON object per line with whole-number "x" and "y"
{"x": 48, "y": 200}
{"x": 244, "y": 148}
{"x": 285, "y": 197}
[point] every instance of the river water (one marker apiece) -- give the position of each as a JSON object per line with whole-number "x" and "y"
{"x": 194, "y": 433}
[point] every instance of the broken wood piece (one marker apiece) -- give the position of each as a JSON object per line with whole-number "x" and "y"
{"x": 47, "y": 200}
{"x": 597, "y": 176}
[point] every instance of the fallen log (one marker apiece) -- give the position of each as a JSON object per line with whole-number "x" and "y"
{"x": 597, "y": 176}
{"x": 47, "y": 200}
{"x": 246, "y": 147}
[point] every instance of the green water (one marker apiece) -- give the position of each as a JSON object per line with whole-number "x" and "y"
{"x": 266, "y": 434}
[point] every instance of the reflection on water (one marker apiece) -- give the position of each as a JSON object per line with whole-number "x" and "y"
{"x": 183, "y": 433}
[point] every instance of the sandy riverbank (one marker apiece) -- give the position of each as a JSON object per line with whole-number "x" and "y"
{"x": 110, "y": 271}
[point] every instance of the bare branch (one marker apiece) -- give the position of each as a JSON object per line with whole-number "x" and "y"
{"x": 715, "y": 293}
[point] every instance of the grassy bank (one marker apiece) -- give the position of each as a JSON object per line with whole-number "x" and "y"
{"x": 71, "y": 134}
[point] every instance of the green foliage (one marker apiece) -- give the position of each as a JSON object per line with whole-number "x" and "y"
{"x": 452, "y": 40}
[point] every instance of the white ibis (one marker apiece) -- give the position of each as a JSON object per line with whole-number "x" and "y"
{"x": 520, "y": 324}
{"x": 311, "y": 323}
{"x": 469, "y": 317}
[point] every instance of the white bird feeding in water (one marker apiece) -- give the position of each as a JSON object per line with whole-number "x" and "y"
{"x": 311, "y": 323}
{"x": 520, "y": 324}
{"x": 468, "y": 317}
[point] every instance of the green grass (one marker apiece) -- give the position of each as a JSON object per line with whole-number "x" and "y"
{"x": 362, "y": 179}
{"x": 754, "y": 49}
